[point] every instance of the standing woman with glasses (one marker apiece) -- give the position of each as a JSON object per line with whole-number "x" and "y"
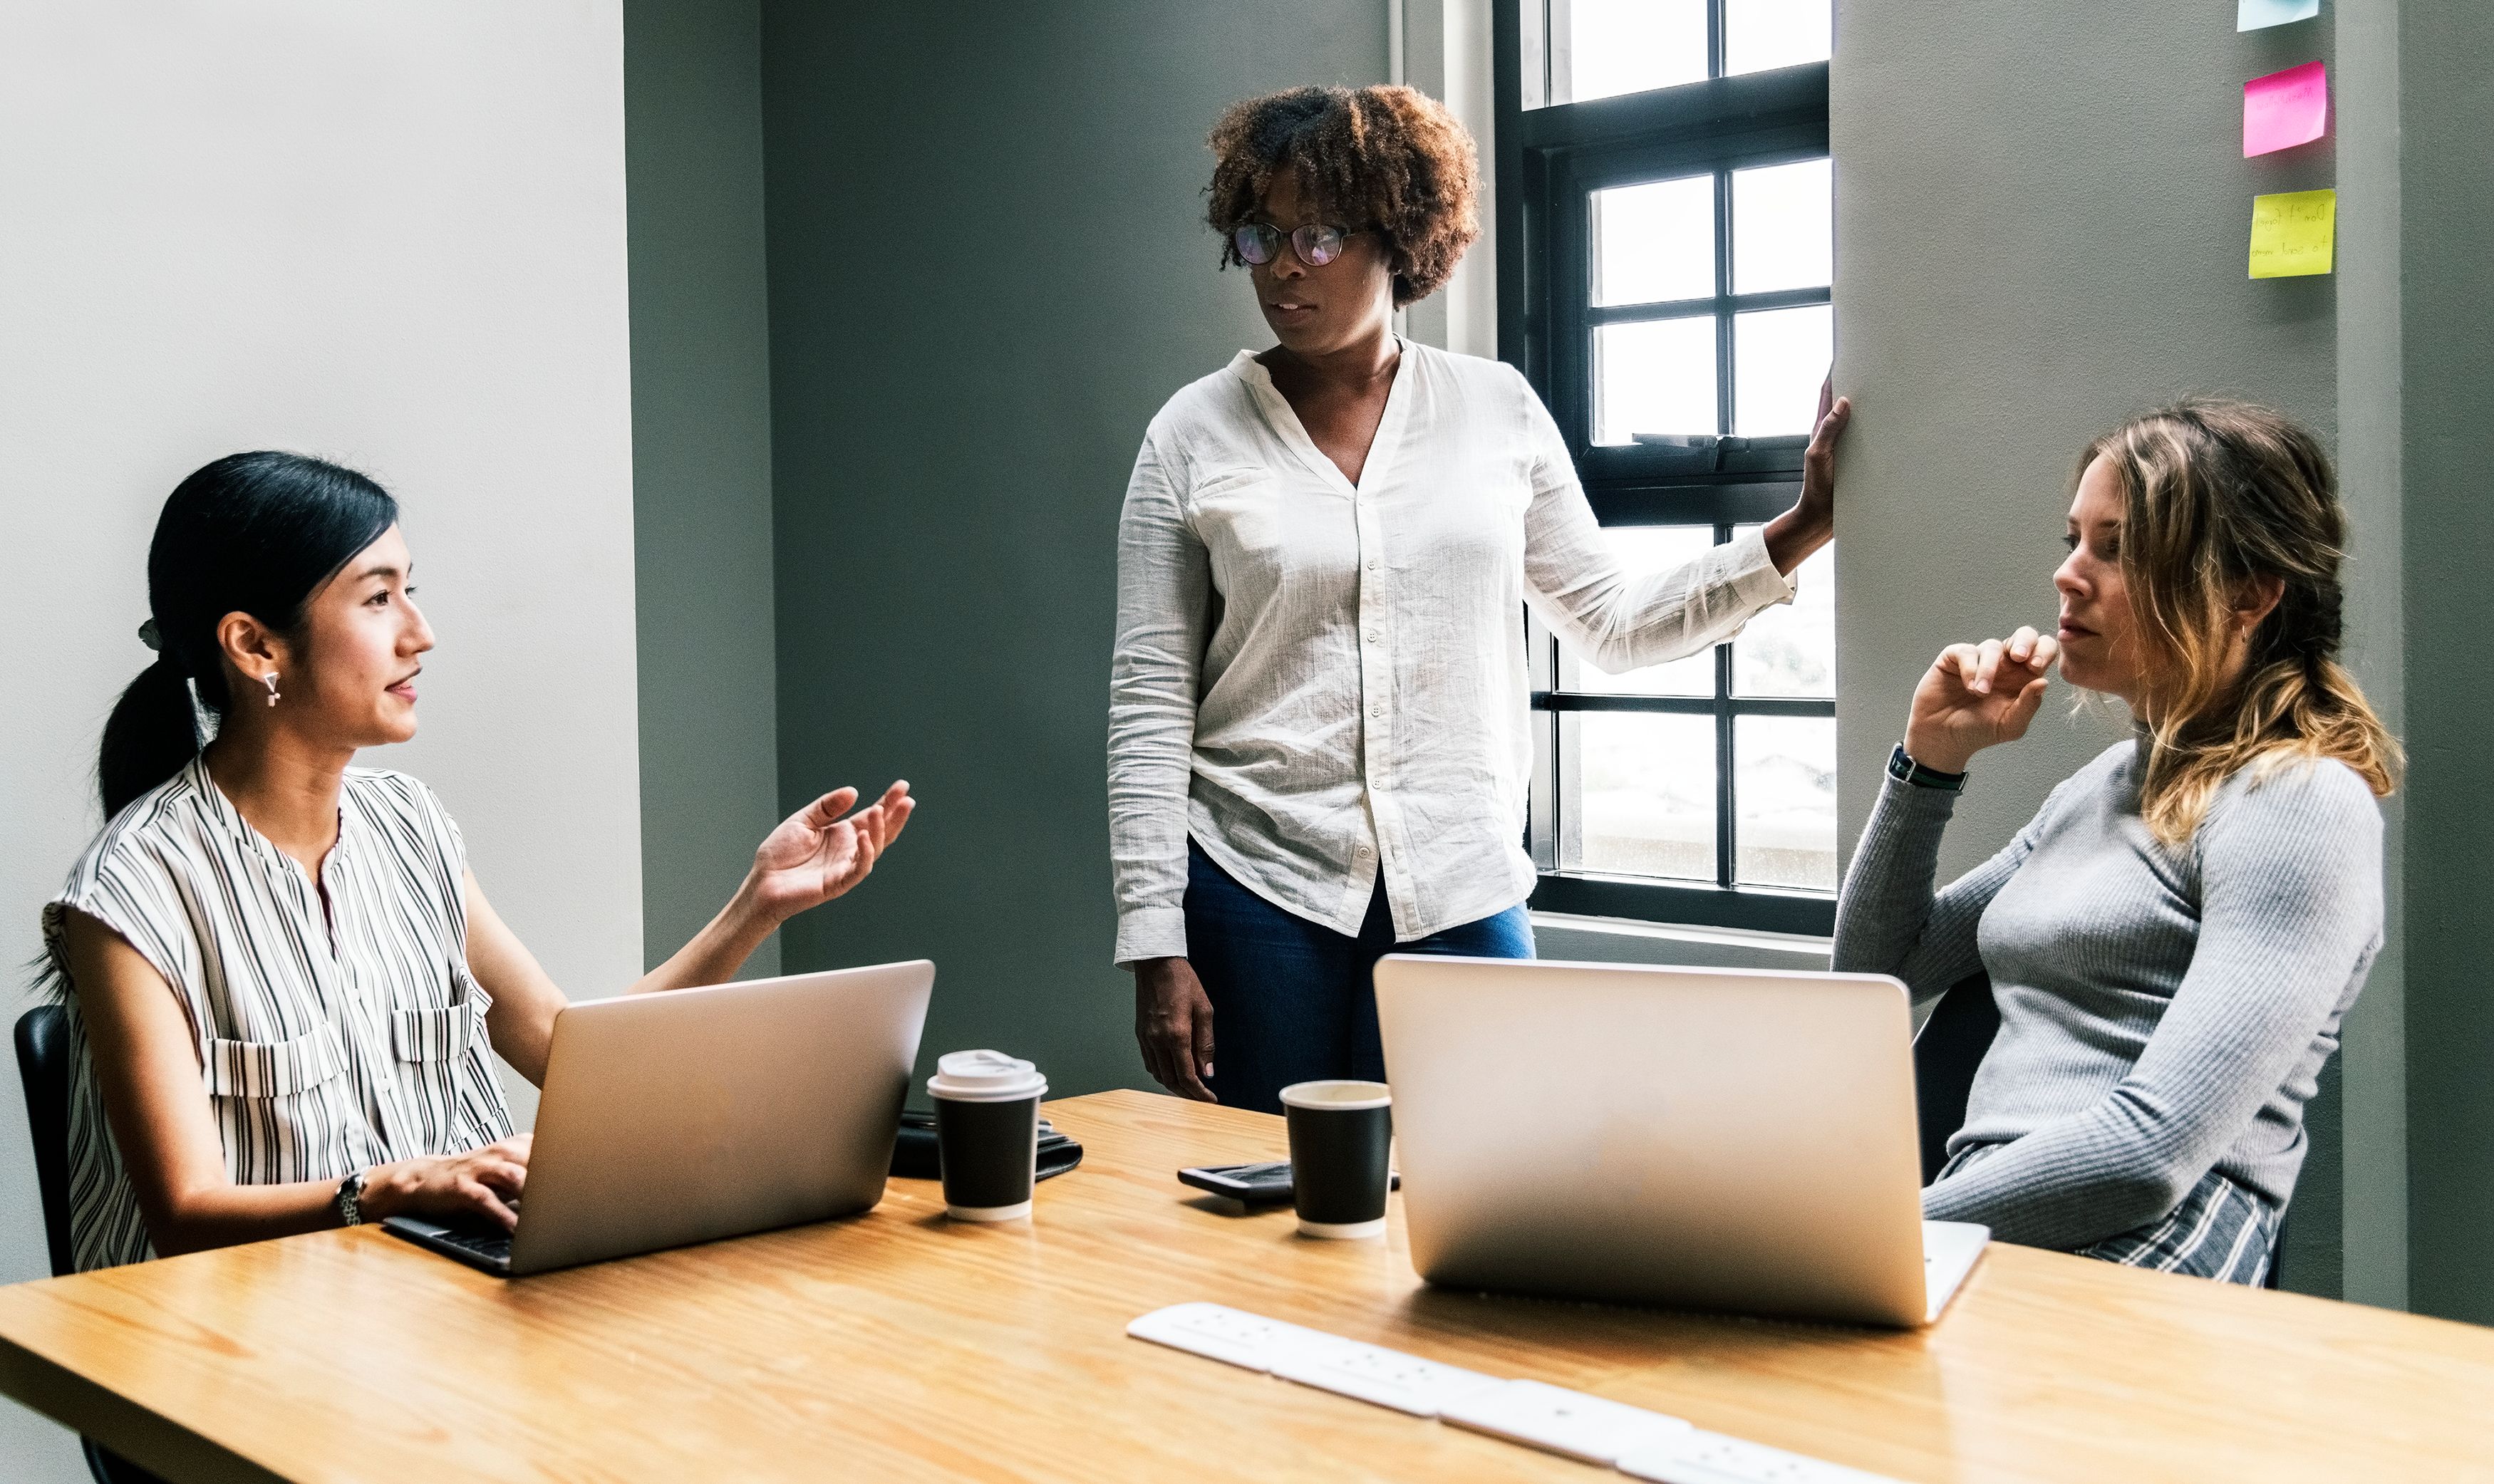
{"x": 1319, "y": 743}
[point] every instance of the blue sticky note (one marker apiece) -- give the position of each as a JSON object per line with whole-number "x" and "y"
{"x": 2259, "y": 14}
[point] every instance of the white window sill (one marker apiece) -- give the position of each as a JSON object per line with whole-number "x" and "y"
{"x": 1624, "y": 940}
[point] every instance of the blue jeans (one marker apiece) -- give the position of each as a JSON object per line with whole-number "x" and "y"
{"x": 1293, "y": 1001}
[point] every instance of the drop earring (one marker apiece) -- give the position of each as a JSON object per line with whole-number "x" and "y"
{"x": 270, "y": 681}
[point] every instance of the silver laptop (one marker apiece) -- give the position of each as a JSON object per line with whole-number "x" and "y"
{"x": 703, "y": 1113}
{"x": 1709, "y": 1138}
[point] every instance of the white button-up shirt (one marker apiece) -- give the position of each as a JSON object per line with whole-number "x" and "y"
{"x": 1319, "y": 681}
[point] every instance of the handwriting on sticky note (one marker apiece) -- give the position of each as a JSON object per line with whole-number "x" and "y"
{"x": 2259, "y": 14}
{"x": 2294, "y": 234}
{"x": 2287, "y": 108}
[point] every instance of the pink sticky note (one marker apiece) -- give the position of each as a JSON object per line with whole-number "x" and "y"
{"x": 2287, "y": 108}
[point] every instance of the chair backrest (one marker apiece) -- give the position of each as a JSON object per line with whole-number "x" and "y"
{"x": 1947, "y": 1051}
{"x": 44, "y": 1067}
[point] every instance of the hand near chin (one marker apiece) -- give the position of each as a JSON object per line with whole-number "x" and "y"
{"x": 1975, "y": 695}
{"x": 821, "y": 851}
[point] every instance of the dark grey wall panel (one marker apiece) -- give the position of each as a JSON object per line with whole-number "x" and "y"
{"x": 2446, "y": 91}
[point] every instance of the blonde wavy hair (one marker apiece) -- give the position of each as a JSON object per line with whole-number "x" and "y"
{"x": 2216, "y": 494}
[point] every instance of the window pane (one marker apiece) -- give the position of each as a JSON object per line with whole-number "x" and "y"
{"x": 1760, "y": 34}
{"x": 1614, "y": 46}
{"x": 1790, "y": 650}
{"x": 1779, "y": 358}
{"x": 1785, "y": 777}
{"x": 1643, "y": 549}
{"x": 1647, "y": 793}
{"x": 1654, "y": 242}
{"x": 1656, "y": 375}
{"x": 1782, "y": 228}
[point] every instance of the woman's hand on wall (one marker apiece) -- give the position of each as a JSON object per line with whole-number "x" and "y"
{"x": 1173, "y": 1025}
{"x": 1796, "y": 536}
{"x": 1975, "y": 695}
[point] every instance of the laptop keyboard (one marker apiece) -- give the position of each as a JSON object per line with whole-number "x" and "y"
{"x": 493, "y": 1246}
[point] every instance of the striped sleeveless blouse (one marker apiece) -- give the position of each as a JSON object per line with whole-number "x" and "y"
{"x": 328, "y": 1041}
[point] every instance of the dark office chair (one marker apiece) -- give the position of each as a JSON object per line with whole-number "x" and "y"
{"x": 1946, "y": 1053}
{"x": 44, "y": 1067}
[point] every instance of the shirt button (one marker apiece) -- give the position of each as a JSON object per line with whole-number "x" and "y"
{"x": 1363, "y": 853}
{"x": 1372, "y": 563}
{"x": 1377, "y": 711}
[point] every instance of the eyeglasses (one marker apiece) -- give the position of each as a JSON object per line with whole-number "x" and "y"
{"x": 1316, "y": 243}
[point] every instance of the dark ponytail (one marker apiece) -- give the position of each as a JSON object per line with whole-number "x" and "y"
{"x": 252, "y": 532}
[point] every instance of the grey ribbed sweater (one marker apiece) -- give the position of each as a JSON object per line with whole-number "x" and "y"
{"x": 2163, "y": 1013}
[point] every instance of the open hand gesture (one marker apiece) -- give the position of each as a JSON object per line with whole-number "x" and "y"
{"x": 1978, "y": 694}
{"x": 815, "y": 854}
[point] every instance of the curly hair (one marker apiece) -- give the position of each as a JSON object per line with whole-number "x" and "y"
{"x": 1390, "y": 157}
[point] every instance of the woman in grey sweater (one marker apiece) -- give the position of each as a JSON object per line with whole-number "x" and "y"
{"x": 2174, "y": 937}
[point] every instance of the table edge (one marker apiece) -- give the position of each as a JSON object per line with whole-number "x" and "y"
{"x": 145, "y": 1438}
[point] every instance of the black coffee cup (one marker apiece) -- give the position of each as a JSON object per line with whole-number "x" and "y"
{"x": 986, "y": 1133}
{"x": 1340, "y": 1135}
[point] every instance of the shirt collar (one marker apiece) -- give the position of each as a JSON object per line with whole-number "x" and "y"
{"x": 226, "y": 817}
{"x": 1247, "y": 368}
{"x": 1284, "y": 421}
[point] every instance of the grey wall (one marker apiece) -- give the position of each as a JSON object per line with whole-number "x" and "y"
{"x": 392, "y": 232}
{"x": 2446, "y": 66}
{"x": 2371, "y": 445}
{"x": 987, "y": 270}
{"x": 2042, "y": 222}
{"x": 701, "y": 459}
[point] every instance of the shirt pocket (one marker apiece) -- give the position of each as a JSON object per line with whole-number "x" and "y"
{"x": 437, "y": 1035}
{"x": 442, "y": 1033}
{"x": 446, "y": 1079}
{"x": 271, "y": 1069}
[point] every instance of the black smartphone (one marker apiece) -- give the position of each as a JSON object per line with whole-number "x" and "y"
{"x": 1257, "y": 1185}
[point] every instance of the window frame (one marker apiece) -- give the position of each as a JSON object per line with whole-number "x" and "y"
{"x": 1549, "y": 158}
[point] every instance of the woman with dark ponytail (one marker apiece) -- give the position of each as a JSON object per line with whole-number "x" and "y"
{"x": 285, "y": 987}
{"x": 2174, "y": 939}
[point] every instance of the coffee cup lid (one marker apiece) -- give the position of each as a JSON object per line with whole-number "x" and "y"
{"x": 1338, "y": 1095}
{"x": 983, "y": 1077}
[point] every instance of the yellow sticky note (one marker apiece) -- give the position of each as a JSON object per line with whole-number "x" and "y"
{"x": 2294, "y": 233}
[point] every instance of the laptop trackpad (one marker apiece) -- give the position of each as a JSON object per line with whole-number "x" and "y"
{"x": 1950, "y": 1251}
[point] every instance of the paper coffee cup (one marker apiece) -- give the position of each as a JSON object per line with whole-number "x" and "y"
{"x": 986, "y": 1133}
{"x": 1342, "y": 1133}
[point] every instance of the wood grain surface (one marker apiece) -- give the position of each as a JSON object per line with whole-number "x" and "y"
{"x": 898, "y": 1344}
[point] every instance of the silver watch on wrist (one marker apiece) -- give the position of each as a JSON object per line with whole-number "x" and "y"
{"x": 349, "y": 1199}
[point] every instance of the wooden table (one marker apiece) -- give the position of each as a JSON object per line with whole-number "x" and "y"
{"x": 900, "y": 1346}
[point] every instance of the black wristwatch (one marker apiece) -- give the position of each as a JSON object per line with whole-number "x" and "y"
{"x": 1902, "y": 768}
{"x": 349, "y": 1199}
